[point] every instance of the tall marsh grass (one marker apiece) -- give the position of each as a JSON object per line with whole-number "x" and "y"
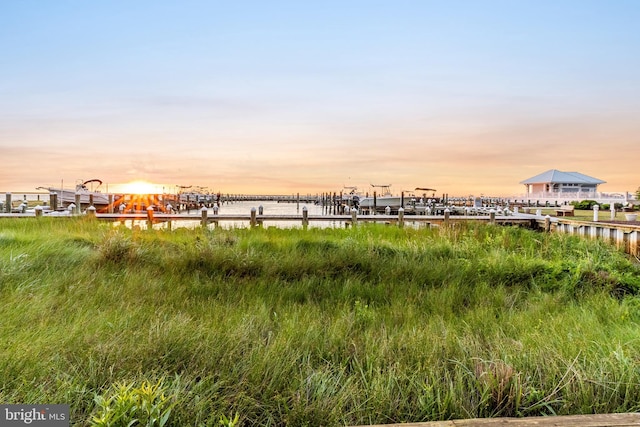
{"x": 329, "y": 327}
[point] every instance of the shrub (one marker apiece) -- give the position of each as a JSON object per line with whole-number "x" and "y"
{"x": 127, "y": 405}
{"x": 584, "y": 204}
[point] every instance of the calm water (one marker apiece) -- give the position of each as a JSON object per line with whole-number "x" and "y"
{"x": 268, "y": 208}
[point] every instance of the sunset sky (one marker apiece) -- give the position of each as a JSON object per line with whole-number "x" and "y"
{"x": 279, "y": 97}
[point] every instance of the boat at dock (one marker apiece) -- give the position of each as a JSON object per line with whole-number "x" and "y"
{"x": 414, "y": 201}
{"x": 380, "y": 200}
{"x": 88, "y": 192}
{"x": 350, "y": 196}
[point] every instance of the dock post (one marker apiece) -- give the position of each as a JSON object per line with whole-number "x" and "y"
{"x": 78, "y": 206}
{"x": 7, "y": 205}
{"x": 354, "y": 217}
{"x": 149, "y": 218}
{"x": 547, "y": 223}
{"x": 447, "y": 212}
{"x": 110, "y": 210}
{"x": 492, "y": 216}
{"x": 620, "y": 239}
{"x": 586, "y": 230}
{"x": 633, "y": 243}
{"x": 204, "y": 217}
{"x": 401, "y": 217}
{"x": 53, "y": 200}
{"x": 215, "y": 214}
{"x": 575, "y": 229}
{"x": 305, "y": 217}
{"x": 261, "y": 212}
{"x": 253, "y": 217}
{"x": 91, "y": 211}
{"x": 375, "y": 202}
{"x": 596, "y": 209}
{"x": 334, "y": 202}
{"x": 38, "y": 210}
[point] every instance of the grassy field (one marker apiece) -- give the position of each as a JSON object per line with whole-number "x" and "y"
{"x": 586, "y": 215}
{"x": 328, "y": 327}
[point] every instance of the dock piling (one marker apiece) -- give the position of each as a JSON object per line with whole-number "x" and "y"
{"x": 620, "y": 243}
{"x": 53, "y": 200}
{"x": 375, "y": 202}
{"x": 149, "y": 218}
{"x": 305, "y": 217}
{"x": 204, "y": 213}
{"x": 253, "y": 221}
{"x": 634, "y": 238}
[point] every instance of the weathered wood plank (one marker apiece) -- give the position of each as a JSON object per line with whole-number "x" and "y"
{"x": 597, "y": 420}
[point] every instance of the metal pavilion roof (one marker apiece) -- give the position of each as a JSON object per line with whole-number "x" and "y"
{"x": 556, "y": 176}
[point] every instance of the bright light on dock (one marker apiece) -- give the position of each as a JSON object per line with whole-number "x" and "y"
{"x": 141, "y": 187}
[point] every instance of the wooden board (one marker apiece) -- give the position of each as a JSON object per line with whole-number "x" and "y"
{"x": 598, "y": 420}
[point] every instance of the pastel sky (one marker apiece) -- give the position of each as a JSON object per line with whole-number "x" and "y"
{"x": 279, "y": 97}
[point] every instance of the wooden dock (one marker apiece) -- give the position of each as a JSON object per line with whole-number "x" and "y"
{"x": 625, "y": 236}
{"x": 597, "y": 420}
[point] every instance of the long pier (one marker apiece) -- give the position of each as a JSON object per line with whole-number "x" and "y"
{"x": 625, "y": 236}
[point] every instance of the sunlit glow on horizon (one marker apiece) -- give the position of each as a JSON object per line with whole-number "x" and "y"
{"x": 140, "y": 187}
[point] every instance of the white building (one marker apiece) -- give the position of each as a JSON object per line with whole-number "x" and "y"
{"x": 556, "y": 183}
{"x": 557, "y": 186}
